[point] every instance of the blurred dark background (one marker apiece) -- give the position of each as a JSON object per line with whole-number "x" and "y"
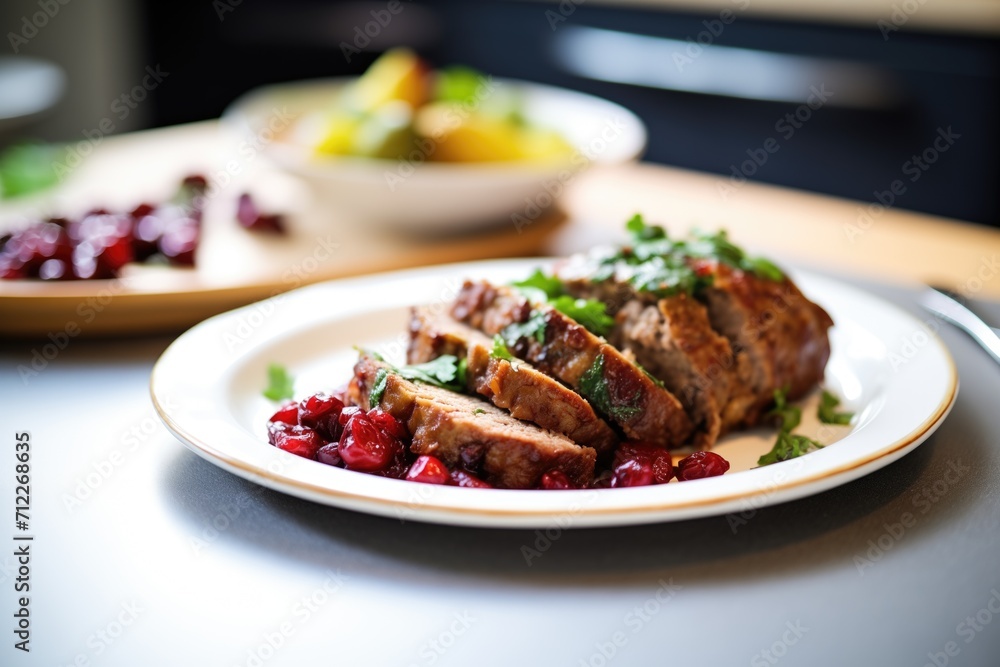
{"x": 894, "y": 91}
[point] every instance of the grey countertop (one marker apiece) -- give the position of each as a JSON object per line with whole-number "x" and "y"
{"x": 145, "y": 554}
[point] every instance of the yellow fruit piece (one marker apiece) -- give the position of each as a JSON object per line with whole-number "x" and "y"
{"x": 398, "y": 74}
{"x": 338, "y": 139}
{"x": 463, "y": 136}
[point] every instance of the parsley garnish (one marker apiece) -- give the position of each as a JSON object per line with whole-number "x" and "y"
{"x": 500, "y": 350}
{"x": 378, "y": 387}
{"x": 279, "y": 383}
{"x": 534, "y": 326}
{"x": 653, "y": 262}
{"x": 789, "y": 416}
{"x": 788, "y": 445}
{"x": 441, "y": 372}
{"x": 594, "y": 388}
{"x": 827, "y": 410}
{"x": 550, "y": 286}
{"x": 591, "y": 313}
{"x": 479, "y": 411}
{"x": 540, "y": 288}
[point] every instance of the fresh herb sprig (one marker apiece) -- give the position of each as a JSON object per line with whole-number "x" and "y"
{"x": 446, "y": 371}
{"x": 540, "y": 288}
{"x": 280, "y": 384}
{"x": 827, "y": 411}
{"x": 653, "y": 262}
{"x": 500, "y": 350}
{"x": 594, "y": 387}
{"x": 788, "y": 445}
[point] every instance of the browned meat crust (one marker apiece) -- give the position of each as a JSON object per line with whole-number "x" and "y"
{"x": 615, "y": 386}
{"x": 458, "y": 428}
{"x": 782, "y": 334}
{"x": 518, "y": 387}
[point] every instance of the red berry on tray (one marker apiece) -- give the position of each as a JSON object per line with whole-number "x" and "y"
{"x": 250, "y": 217}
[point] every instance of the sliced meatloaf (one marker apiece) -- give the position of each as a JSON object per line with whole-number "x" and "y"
{"x": 616, "y": 387}
{"x": 465, "y": 430}
{"x": 777, "y": 337}
{"x": 517, "y": 387}
{"x": 674, "y": 340}
{"x": 782, "y": 333}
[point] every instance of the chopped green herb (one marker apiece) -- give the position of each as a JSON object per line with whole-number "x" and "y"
{"x": 534, "y": 327}
{"x": 654, "y": 262}
{"x": 500, "y": 350}
{"x": 279, "y": 383}
{"x": 540, "y": 288}
{"x": 462, "y": 373}
{"x": 788, "y": 445}
{"x": 718, "y": 246}
{"x": 378, "y": 387}
{"x": 827, "y": 410}
{"x": 550, "y": 286}
{"x": 789, "y": 415}
{"x": 479, "y": 411}
{"x": 594, "y": 388}
{"x": 591, "y": 313}
{"x": 440, "y": 372}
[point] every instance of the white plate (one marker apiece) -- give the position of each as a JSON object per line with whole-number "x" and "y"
{"x": 897, "y": 376}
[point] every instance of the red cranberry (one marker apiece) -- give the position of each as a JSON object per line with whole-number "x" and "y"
{"x": 330, "y": 455}
{"x": 296, "y": 440}
{"x": 286, "y": 414}
{"x": 347, "y": 413}
{"x": 429, "y": 470}
{"x": 141, "y": 211}
{"x": 364, "y": 447}
{"x": 656, "y": 457}
{"x": 464, "y": 479}
{"x": 555, "y": 480}
{"x": 179, "y": 241}
{"x": 632, "y": 473}
{"x": 701, "y": 464}
{"x": 251, "y": 218}
{"x": 318, "y": 408}
{"x": 389, "y": 424}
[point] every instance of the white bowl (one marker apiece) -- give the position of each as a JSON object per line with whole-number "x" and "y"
{"x": 429, "y": 197}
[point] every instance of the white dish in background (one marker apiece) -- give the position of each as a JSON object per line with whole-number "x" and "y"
{"x": 206, "y": 388}
{"x": 437, "y": 197}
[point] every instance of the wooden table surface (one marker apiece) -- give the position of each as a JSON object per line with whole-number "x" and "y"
{"x": 237, "y": 267}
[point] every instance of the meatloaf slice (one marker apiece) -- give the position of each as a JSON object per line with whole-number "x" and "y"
{"x": 782, "y": 333}
{"x": 458, "y": 429}
{"x": 673, "y": 339}
{"x": 518, "y": 387}
{"x": 557, "y": 345}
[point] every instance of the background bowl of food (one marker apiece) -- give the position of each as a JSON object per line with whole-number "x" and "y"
{"x": 406, "y": 147}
